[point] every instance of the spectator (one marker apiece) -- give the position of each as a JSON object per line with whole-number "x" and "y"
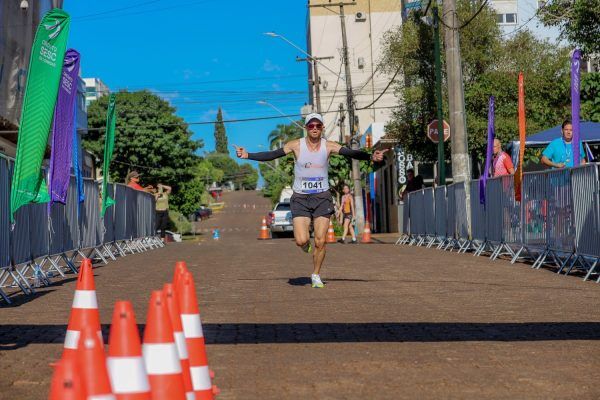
{"x": 501, "y": 163}
{"x": 133, "y": 181}
{"x": 162, "y": 208}
{"x": 347, "y": 213}
{"x": 413, "y": 183}
{"x": 559, "y": 153}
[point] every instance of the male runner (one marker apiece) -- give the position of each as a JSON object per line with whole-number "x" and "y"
{"x": 311, "y": 199}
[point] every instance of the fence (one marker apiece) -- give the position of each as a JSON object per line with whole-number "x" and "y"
{"x": 556, "y": 223}
{"x": 46, "y": 241}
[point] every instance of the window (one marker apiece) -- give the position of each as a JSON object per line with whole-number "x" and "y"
{"x": 500, "y": 18}
{"x": 507, "y": 19}
{"x": 283, "y": 207}
{"x": 511, "y": 18}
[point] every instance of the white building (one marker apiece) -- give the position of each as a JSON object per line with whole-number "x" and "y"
{"x": 94, "y": 89}
{"x": 517, "y": 15}
{"x": 366, "y": 23}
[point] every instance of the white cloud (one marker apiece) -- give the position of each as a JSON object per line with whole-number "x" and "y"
{"x": 268, "y": 66}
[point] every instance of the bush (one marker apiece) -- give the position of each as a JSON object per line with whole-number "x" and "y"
{"x": 179, "y": 223}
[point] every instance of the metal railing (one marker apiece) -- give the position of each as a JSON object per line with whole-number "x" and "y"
{"x": 557, "y": 222}
{"x": 46, "y": 242}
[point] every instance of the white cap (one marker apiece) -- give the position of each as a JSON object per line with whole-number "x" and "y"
{"x": 312, "y": 116}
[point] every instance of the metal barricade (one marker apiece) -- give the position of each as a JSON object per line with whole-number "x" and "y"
{"x": 450, "y": 217}
{"x": 561, "y": 233}
{"x": 440, "y": 215}
{"x": 462, "y": 222}
{"x": 586, "y": 212}
{"x": 4, "y": 213}
{"x": 90, "y": 215}
{"x": 109, "y": 218}
{"x": 120, "y": 212}
{"x": 417, "y": 219}
{"x": 478, "y": 220}
{"x": 429, "y": 215}
{"x": 130, "y": 213}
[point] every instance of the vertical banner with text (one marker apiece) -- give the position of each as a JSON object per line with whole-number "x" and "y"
{"x": 45, "y": 68}
{"x": 62, "y": 129}
{"x": 489, "y": 152}
{"x": 522, "y": 133}
{"x": 109, "y": 145}
{"x": 575, "y": 105}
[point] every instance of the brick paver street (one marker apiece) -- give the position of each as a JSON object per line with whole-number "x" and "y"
{"x": 394, "y": 322}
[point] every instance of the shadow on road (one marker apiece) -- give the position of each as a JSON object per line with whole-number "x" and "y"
{"x": 17, "y": 336}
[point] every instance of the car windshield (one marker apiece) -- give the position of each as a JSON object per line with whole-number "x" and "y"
{"x": 283, "y": 207}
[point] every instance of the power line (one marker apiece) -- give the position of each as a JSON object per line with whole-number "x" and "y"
{"x": 465, "y": 24}
{"x": 384, "y": 90}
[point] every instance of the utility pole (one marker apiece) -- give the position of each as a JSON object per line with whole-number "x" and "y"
{"x": 342, "y": 121}
{"x": 456, "y": 101}
{"x": 438, "y": 95}
{"x": 315, "y": 82}
{"x": 356, "y": 177}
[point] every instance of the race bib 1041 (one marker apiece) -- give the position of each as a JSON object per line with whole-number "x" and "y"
{"x": 313, "y": 185}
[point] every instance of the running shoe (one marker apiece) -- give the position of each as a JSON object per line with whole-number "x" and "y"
{"x": 316, "y": 281}
{"x": 307, "y": 248}
{"x": 354, "y": 241}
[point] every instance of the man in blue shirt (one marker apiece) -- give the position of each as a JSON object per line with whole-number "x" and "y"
{"x": 559, "y": 153}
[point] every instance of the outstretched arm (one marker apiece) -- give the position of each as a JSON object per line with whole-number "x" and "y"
{"x": 263, "y": 155}
{"x": 336, "y": 148}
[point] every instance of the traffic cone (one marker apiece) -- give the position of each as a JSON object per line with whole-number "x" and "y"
{"x": 126, "y": 368}
{"x": 84, "y": 310}
{"x": 264, "y": 231}
{"x": 66, "y": 382}
{"x": 194, "y": 339}
{"x": 175, "y": 316}
{"x": 330, "y": 233}
{"x": 180, "y": 269}
{"x": 366, "y": 236}
{"x": 92, "y": 366}
{"x": 160, "y": 352}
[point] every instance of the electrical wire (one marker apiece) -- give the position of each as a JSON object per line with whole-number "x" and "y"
{"x": 384, "y": 90}
{"x": 465, "y": 24}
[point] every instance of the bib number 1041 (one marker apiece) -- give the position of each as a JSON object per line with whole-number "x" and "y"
{"x": 312, "y": 185}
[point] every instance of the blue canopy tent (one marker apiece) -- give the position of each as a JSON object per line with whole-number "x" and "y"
{"x": 589, "y": 132}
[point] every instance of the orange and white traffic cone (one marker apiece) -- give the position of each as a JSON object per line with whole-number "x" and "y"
{"x": 84, "y": 311}
{"x": 194, "y": 339}
{"x": 180, "y": 269}
{"x": 330, "y": 233}
{"x": 366, "y": 236}
{"x": 264, "y": 231}
{"x": 160, "y": 352}
{"x": 92, "y": 366}
{"x": 175, "y": 316}
{"x": 125, "y": 363}
{"x": 66, "y": 382}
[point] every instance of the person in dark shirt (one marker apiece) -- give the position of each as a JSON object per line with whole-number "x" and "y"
{"x": 413, "y": 183}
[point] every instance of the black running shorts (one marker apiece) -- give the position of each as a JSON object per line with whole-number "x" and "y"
{"x": 312, "y": 205}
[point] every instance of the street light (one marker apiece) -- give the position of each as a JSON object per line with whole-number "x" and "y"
{"x": 313, "y": 59}
{"x": 266, "y": 103}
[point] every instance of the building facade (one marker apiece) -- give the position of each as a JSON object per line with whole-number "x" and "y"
{"x": 366, "y": 21}
{"x": 94, "y": 89}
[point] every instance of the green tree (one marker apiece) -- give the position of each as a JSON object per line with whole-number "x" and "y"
{"x": 224, "y": 163}
{"x": 149, "y": 138}
{"x": 578, "y": 21}
{"x": 220, "y": 134}
{"x": 491, "y": 66}
{"x": 247, "y": 177}
{"x": 590, "y": 97}
{"x": 283, "y": 134}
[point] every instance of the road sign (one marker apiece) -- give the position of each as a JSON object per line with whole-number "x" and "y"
{"x": 413, "y": 5}
{"x": 432, "y": 131}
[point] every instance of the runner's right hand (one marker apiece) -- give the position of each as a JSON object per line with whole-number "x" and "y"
{"x": 240, "y": 152}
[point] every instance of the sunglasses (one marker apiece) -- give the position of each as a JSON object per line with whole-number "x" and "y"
{"x": 313, "y": 126}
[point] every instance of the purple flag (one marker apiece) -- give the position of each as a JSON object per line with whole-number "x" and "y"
{"x": 62, "y": 129}
{"x": 575, "y": 105}
{"x": 490, "y": 149}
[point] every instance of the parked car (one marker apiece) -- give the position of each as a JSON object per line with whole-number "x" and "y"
{"x": 202, "y": 213}
{"x": 280, "y": 219}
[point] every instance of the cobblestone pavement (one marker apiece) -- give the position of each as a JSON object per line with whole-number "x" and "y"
{"x": 394, "y": 322}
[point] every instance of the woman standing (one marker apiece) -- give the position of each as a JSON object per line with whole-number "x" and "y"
{"x": 162, "y": 208}
{"x": 347, "y": 215}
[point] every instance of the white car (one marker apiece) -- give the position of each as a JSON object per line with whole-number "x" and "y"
{"x": 281, "y": 219}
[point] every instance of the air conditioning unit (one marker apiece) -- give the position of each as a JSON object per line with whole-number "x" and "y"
{"x": 360, "y": 17}
{"x": 361, "y": 62}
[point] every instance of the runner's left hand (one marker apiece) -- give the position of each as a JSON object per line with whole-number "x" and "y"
{"x": 378, "y": 155}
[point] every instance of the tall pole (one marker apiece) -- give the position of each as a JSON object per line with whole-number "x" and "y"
{"x": 438, "y": 95}
{"x": 456, "y": 101}
{"x": 316, "y": 83}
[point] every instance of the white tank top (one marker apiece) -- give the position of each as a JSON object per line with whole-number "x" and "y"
{"x": 311, "y": 169}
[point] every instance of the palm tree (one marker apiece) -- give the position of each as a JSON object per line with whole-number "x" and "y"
{"x": 282, "y": 134}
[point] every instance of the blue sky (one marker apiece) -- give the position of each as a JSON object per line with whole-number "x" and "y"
{"x": 199, "y": 55}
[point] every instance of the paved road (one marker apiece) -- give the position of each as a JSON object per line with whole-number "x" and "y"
{"x": 392, "y": 323}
